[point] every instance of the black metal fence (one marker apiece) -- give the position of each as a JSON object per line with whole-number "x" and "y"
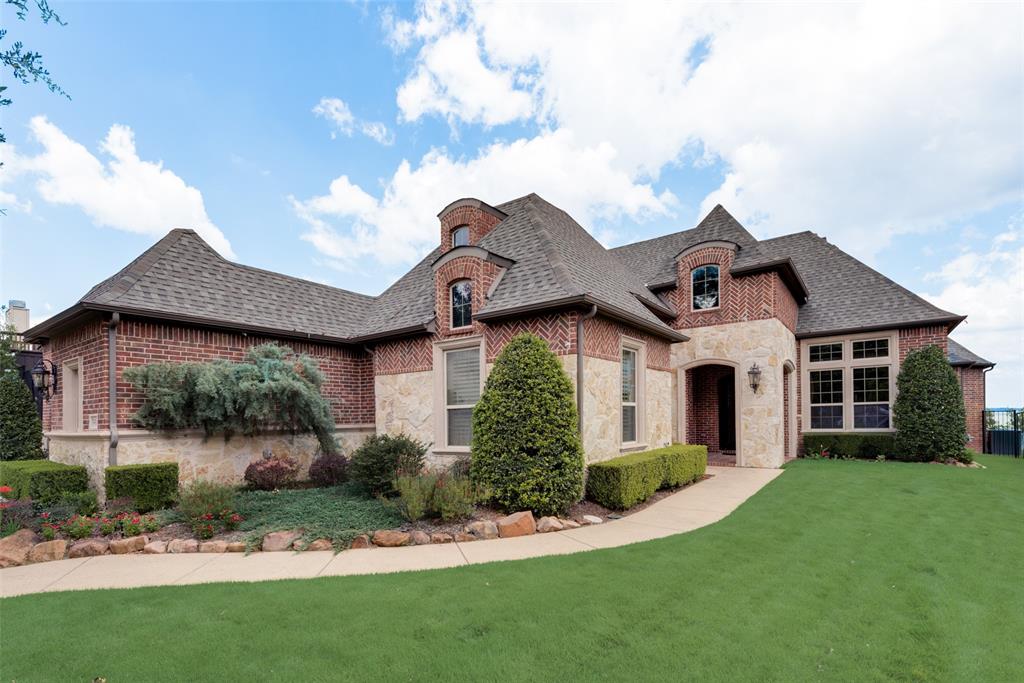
{"x": 1004, "y": 431}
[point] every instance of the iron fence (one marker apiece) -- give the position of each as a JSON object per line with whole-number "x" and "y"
{"x": 1004, "y": 431}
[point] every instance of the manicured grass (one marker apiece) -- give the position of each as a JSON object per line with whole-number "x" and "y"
{"x": 339, "y": 513}
{"x": 836, "y": 571}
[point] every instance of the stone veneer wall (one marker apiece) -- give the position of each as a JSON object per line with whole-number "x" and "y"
{"x": 405, "y": 404}
{"x": 761, "y": 437}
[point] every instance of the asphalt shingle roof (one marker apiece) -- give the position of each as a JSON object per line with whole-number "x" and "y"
{"x": 961, "y": 355}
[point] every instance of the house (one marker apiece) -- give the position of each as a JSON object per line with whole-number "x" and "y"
{"x": 706, "y": 336}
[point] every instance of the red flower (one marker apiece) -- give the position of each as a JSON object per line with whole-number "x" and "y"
{"x": 5, "y": 489}
{"x": 45, "y": 515}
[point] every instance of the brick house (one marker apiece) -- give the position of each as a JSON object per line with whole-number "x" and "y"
{"x": 659, "y": 338}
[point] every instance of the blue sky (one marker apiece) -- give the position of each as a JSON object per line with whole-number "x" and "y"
{"x": 905, "y": 148}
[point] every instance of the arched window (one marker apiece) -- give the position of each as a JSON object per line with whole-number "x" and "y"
{"x": 705, "y": 287}
{"x": 462, "y": 304}
{"x": 460, "y": 236}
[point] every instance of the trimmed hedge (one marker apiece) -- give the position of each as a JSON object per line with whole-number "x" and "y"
{"x": 845, "y": 445}
{"x": 929, "y": 410}
{"x": 621, "y": 483}
{"x": 44, "y": 481}
{"x": 151, "y": 486}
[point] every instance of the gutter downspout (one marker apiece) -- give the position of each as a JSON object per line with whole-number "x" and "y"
{"x": 984, "y": 400}
{"x": 112, "y": 386}
{"x": 579, "y": 363}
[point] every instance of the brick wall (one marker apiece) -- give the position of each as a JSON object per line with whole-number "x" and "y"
{"x": 479, "y": 221}
{"x": 478, "y": 271}
{"x": 86, "y": 343}
{"x": 972, "y": 383}
{"x": 918, "y": 337}
{"x": 602, "y": 338}
{"x": 783, "y": 303}
{"x": 557, "y": 329}
{"x": 410, "y": 354}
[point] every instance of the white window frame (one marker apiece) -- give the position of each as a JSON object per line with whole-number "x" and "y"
{"x": 456, "y": 230}
{"x": 451, "y": 305}
{"x": 847, "y": 364}
{"x": 441, "y": 390}
{"x": 693, "y": 271}
{"x": 72, "y": 409}
{"x": 639, "y": 348}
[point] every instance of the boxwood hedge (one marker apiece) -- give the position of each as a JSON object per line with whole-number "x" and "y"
{"x": 621, "y": 483}
{"x": 44, "y": 481}
{"x": 152, "y": 486}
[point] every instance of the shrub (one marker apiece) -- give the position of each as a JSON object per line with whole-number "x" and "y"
{"x": 415, "y": 492}
{"x": 929, "y": 410}
{"x": 44, "y": 481}
{"x": 434, "y": 495}
{"x": 21, "y": 430}
{"x": 454, "y": 498}
{"x": 621, "y": 483}
{"x": 18, "y": 514}
{"x": 84, "y": 503}
{"x": 330, "y": 469}
{"x": 152, "y": 486}
{"x": 267, "y": 474}
{"x": 202, "y": 498}
{"x": 382, "y": 457}
{"x": 116, "y": 506}
{"x": 131, "y": 525}
{"x": 78, "y": 527}
{"x": 526, "y": 450}
{"x": 842, "y": 445}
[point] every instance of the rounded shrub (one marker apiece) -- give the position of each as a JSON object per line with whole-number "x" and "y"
{"x": 526, "y": 450}
{"x": 929, "y": 409}
{"x": 271, "y": 473}
{"x": 329, "y": 469}
{"x": 21, "y": 430}
{"x": 382, "y": 457}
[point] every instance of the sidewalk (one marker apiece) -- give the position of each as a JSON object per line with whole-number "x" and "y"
{"x": 689, "y": 509}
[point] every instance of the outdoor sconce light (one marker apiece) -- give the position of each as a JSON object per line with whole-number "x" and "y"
{"x": 44, "y": 377}
{"x": 754, "y": 374}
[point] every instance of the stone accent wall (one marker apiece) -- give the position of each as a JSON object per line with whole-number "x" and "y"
{"x": 480, "y": 222}
{"x": 405, "y": 403}
{"x": 918, "y": 337}
{"x": 761, "y": 437}
{"x": 89, "y": 450}
{"x": 972, "y": 384}
{"x": 659, "y": 407}
{"x": 86, "y": 343}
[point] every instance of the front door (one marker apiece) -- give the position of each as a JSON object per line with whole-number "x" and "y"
{"x": 726, "y": 413}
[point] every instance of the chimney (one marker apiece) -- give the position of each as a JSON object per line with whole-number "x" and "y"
{"x": 475, "y": 216}
{"x": 17, "y": 315}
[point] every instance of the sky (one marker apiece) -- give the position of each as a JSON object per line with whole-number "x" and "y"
{"x": 320, "y": 140}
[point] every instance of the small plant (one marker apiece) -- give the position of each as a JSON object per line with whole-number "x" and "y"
{"x": 131, "y": 525}
{"x": 208, "y": 507}
{"x": 150, "y": 524}
{"x": 19, "y": 513}
{"x": 107, "y": 526}
{"x": 49, "y": 531}
{"x": 454, "y": 498}
{"x": 271, "y": 473}
{"x": 84, "y": 502}
{"x": 204, "y": 527}
{"x": 415, "y": 493}
{"x": 433, "y": 495}
{"x": 330, "y": 469}
{"x": 879, "y": 458}
{"x": 382, "y": 457}
{"x": 230, "y": 520}
{"x": 79, "y": 527}
{"x": 819, "y": 453}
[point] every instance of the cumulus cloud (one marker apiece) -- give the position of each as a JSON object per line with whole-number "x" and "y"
{"x": 123, "y": 192}
{"x": 337, "y": 112}
{"x": 987, "y": 284}
{"x": 348, "y": 223}
{"x": 839, "y": 118}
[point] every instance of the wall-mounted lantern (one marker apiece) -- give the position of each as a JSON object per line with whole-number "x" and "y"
{"x": 44, "y": 377}
{"x": 754, "y": 375}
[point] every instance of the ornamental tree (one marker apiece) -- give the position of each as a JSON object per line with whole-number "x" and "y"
{"x": 929, "y": 409}
{"x": 21, "y": 430}
{"x": 526, "y": 450}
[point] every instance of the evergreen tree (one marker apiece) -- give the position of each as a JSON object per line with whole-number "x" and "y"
{"x": 929, "y": 409}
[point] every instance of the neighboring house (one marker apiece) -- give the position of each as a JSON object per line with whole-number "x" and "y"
{"x": 659, "y": 338}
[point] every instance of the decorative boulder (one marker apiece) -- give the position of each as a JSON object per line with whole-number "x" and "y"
{"x": 420, "y": 537}
{"x": 88, "y": 548}
{"x": 236, "y": 547}
{"x": 517, "y": 524}
{"x": 463, "y": 537}
{"x": 155, "y": 548}
{"x": 387, "y": 538}
{"x": 483, "y": 528}
{"x": 183, "y": 545}
{"x": 280, "y": 540}
{"x": 360, "y": 542}
{"x": 441, "y": 538}
{"x": 132, "y": 544}
{"x": 213, "y": 547}
{"x": 592, "y": 519}
{"x": 14, "y": 549}
{"x": 546, "y": 524}
{"x": 48, "y": 551}
{"x": 319, "y": 544}
{"x": 569, "y": 524}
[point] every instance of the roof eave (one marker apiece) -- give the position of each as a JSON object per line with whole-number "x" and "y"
{"x": 952, "y": 322}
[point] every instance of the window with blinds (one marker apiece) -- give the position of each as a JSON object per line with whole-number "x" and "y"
{"x": 629, "y": 395}
{"x": 462, "y": 391}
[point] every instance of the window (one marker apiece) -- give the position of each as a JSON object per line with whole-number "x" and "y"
{"x": 462, "y": 304}
{"x": 870, "y": 348}
{"x": 705, "y": 287}
{"x": 820, "y": 353}
{"x": 871, "y": 397}
{"x": 460, "y": 236}
{"x": 826, "y": 399}
{"x": 461, "y": 391}
{"x": 629, "y": 393}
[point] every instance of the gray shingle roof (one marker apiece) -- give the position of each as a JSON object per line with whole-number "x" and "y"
{"x": 961, "y": 355}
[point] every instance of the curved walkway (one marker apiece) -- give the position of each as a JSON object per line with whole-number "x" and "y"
{"x": 693, "y": 507}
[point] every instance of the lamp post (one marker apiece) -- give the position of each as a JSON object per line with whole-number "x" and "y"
{"x": 44, "y": 378}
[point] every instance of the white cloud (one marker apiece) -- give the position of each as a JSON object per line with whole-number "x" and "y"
{"x": 124, "y": 192}
{"x": 860, "y": 121}
{"x": 988, "y": 286}
{"x": 399, "y": 226}
{"x": 339, "y": 114}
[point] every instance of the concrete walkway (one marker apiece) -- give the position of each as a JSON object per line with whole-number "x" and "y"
{"x": 689, "y": 509}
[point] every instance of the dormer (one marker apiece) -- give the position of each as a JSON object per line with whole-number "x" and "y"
{"x": 465, "y": 222}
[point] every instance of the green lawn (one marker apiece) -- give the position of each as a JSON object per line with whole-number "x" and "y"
{"x": 836, "y": 571}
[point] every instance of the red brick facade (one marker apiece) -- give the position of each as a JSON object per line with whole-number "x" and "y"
{"x": 480, "y": 222}
{"x": 480, "y": 273}
{"x": 919, "y": 337}
{"x": 972, "y": 383}
{"x": 409, "y": 354}
{"x": 86, "y": 344}
{"x": 602, "y": 338}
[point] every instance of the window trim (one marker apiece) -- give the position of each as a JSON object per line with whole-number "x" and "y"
{"x": 458, "y": 229}
{"x": 451, "y": 305}
{"x": 718, "y": 278}
{"x": 78, "y": 400}
{"x": 842, "y": 396}
{"x": 640, "y": 438}
{"x": 846, "y": 365}
{"x": 441, "y": 445}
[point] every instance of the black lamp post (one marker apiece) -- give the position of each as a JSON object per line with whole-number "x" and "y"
{"x": 44, "y": 377}
{"x": 754, "y": 375}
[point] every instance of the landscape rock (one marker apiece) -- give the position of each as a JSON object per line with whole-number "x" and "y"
{"x": 89, "y": 547}
{"x": 483, "y": 528}
{"x": 546, "y": 524}
{"x": 517, "y": 524}
{"x": 133, "y": 544}
{"x": 569, "y": 524}
{"x": 592, "y": 519}
{"x": 463, "y": 537}
{"x": 183, "y": 545}
{"x": 14, "y": 549}
{"x": 48, "y": 551}
{"x": 236, "y": 547}
{"x": 389, "y": 538}
{"x": 441, "y": 538}
{"x": 319, "y": 544}
{"x": 155, "y": 548}
{"x": 280, "y": 540}
{"x": 360, "y": 542}
{"x": 420, "y": 537}
{"x": 213, "y": 547}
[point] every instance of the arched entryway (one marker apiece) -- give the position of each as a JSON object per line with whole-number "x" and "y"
{"x": 710, "y": 416}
